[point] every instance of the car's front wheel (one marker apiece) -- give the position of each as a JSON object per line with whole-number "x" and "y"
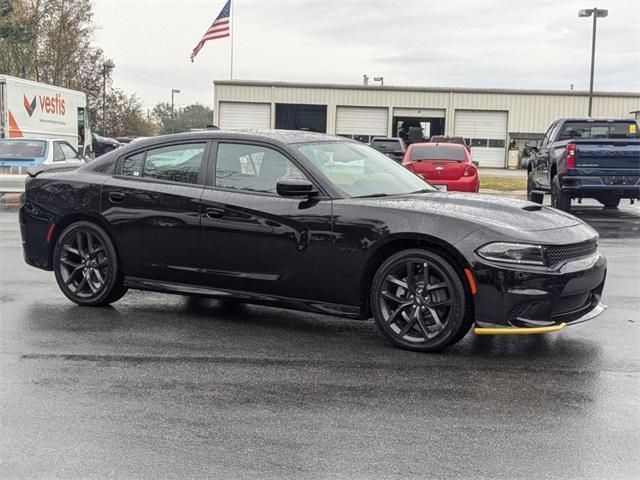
{"x": 419, "y": 302}
{"x": 86, "y": 265}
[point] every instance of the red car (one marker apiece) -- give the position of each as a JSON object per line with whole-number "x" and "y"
{"x": 446, "y": 166}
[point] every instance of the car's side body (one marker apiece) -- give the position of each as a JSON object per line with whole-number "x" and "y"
{"x": 318, "y": 253}
{"x": 446, "y": 165}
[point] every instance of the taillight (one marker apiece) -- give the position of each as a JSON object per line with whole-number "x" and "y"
{"x": 409, "y": 166}
{"x": 571, "y": 155}
{"x": 469, "y": 171}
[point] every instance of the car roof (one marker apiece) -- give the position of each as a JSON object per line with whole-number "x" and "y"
{"x": 282, "y": 136}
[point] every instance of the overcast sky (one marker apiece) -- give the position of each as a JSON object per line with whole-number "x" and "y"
{"x": 516, "y": 44}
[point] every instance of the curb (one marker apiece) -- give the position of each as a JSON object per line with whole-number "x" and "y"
{"x": 488, "y": 191}
{"x": 10, "y": 200}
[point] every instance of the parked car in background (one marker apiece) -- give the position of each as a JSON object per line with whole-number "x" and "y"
{"x": 18, "y": 154}
{"x": 393, "y": 147}
{"x": 102, "y": 145}
{"x": 450, "y": 139}
{"x": 446, "y": 166}
{"x": 586, "y": 158}
{"x": 311, "y": 222}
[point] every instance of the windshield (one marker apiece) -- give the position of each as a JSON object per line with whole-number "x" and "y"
{"x": 22, "y": 148}
{"x": 360, "y": 170}
{"x": 433, "y": 152}
{"x": 576, "y": 130}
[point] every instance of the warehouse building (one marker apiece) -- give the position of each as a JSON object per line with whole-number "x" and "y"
{"x": 490, "y": 119}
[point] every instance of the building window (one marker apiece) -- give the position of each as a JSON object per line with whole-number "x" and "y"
{"x": 478, "y": 142}
{"x": 496, "y": 143}
{"x": 360, "y": 138}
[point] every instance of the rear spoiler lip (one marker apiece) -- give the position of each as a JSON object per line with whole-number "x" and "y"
{"x": 38, "y": 169}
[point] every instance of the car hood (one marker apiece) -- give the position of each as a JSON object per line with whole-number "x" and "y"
{"x": 482, "y": 210}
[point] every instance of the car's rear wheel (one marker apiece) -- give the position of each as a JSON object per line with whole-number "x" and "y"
{"x": 419, "y": 302}
{"x": 86, "y": 265}
{"x": 531, "y": 195}
{"x": 559, "y": 199}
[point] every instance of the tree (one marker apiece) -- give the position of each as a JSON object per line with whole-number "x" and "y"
{"x": 51, "y": 41}
{"x": 191, "y": 117}
{"x": 125, "y": 117}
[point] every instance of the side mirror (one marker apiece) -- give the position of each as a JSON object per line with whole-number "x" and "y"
{"x": 476, "y": 163}
{"x": 532, "y": 144}
{"x": 295, "y": 187}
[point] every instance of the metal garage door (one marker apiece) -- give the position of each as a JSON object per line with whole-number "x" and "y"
{"x": 362, "y": 121}
{"x": 238, "y": 115}
{"x": 486, "y": 133}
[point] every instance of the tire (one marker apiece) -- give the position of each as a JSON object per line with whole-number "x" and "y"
{"x": 531, "y": 195}
{"x": 559, "y": 199}
{"x": 86, "y": 265}
{"x": 611, "y": 202}
{"x": 412, "y": 314}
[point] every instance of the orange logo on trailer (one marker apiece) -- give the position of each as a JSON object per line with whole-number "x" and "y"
{"x": 53, "y": 105}
{"x": 30, "y": 106}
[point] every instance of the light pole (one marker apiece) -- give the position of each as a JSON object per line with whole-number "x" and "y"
{"x": 596, "y": 13}
{"x": 107, "y": 65}
{"x": 173, "y": 92}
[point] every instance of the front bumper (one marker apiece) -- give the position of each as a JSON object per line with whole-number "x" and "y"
{"x": 536, "y": 297}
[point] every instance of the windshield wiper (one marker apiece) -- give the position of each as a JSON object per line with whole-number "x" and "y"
{"x": 373, "y": 195}
{"x": 424, "y": 190}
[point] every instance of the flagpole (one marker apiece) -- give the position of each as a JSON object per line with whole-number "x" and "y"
{"x": 233, "y": 27}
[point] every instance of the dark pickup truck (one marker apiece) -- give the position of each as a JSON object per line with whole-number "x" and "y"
{"x": 586, "y": 158}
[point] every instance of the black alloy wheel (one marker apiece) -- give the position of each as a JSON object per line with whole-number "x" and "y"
{"x": 559, "y": 199}
{"x": 419, "y": 302}
{"x": 86, "y": 266}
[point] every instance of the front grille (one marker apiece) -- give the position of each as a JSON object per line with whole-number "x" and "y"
{"x": 517, "y": 310}
{"x": 570, "y": 303}
{"x": 620, "y": 180}
{"x": 559, "y": 253}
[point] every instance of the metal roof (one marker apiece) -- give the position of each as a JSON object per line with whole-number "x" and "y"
{"x": 265, "y": 83}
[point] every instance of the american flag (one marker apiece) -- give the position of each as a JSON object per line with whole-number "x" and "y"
{"x": 219, "y": 29}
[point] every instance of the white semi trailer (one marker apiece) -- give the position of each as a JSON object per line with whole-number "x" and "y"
{"x": 37, "y": 110}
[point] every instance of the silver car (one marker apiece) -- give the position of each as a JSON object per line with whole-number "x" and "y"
{"x": 18, "y": 154}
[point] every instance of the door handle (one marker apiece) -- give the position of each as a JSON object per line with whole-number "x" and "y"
{"x": 214, "y": 212}
{"x": 116, "y": 197}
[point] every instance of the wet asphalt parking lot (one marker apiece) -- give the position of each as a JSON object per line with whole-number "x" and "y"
{"x": 162, "y": 386}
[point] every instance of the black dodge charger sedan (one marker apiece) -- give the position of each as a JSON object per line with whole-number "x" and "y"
{"x": 311, "y": 222}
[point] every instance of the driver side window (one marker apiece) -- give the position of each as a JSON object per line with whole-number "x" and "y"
{"x": 547, "y": 135}
{"x": 252, "y": 167}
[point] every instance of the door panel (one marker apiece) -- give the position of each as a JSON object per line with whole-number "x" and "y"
{"x": 256, "y": 240}
{"x": 267, "y": 244}
{"x": 153, "y": 206}
{"x": 156, "y": 227}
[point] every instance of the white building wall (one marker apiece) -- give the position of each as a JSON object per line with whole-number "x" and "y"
{"x": 529, "y": 112}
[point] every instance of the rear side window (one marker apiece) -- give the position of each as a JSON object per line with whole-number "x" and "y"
{"x": 595, "y": 130}
{"x": 175, "y": 163}
{"x": 438, "y": 153}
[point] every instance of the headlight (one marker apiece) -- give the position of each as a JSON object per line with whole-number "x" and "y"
{"x": 513, "y": 253}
